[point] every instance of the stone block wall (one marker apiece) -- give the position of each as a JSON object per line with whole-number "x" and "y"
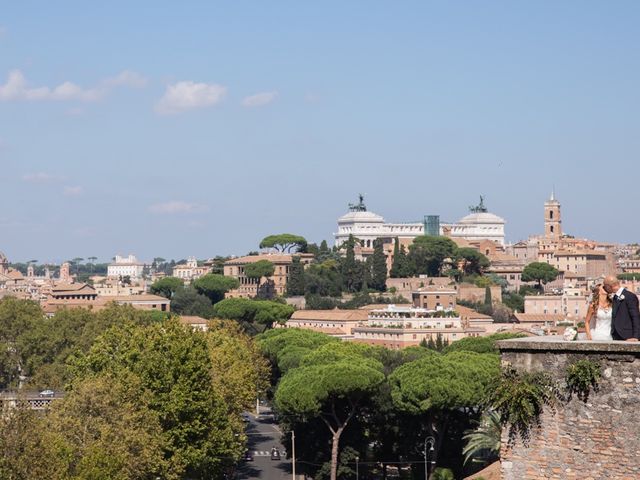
{"x": 599, "y": 439}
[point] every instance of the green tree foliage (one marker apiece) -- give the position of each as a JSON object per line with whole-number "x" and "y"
{"x": 520, "y": 397}
{"x": 259, "y": 269}
{"x": 290, "y": 344}
{"x": 16, "y": 318}
{"x": 473, "y": 262}
{"x": 296, "y": 279}
{"x": 214, "y": 286}
{"x": 187, "y": 301}
{"x": 285, "y": 242}
{"x": 540, "y": 272}
{"x": 481, "y": 344}
{"x": 352, "y": 270}
{"x": 497, "y": 280}
{"x": 262, "y": 312}
{"x": 514, "y": 301}
{"x": 378, "y": 268}
{"x": 629, "y": 277}
{"x": 27, "y": 449}
{"x": 102, "y": 430}
{"x": 437, "y": 386}
{"x": 483, "y": 442}
{"x": 323, "y": 279}
{"x": 330, "y": 390}
{"x": 173, "y": 364}
{"x": 42, "y": 346}
{"x": 429, "y": 254}
{"x": 166, "y": 286}
{"x": 239, "y": 370}
{"x": 488, "y": 301}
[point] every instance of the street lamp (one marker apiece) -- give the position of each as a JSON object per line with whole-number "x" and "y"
{"x": 429, "y": 446}
{"x": 357, "y": 468}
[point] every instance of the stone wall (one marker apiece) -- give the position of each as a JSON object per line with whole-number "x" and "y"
{"x": 599, "y": 439}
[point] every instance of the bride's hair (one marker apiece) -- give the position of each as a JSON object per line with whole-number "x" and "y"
{"x": 595, "y": 297}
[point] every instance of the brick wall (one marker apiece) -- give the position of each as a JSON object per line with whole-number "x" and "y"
{"x": 596, "y": 440}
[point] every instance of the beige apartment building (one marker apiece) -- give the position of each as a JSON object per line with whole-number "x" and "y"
{"x": 141, "y": 302}
{"x": 585, "y": 263}
{"x": 190, "y": 270}
{"x": 274, "y": 285}
{"x": 398, "y": 327}
{"x": 435, "y": 298}
{"x": 334, "y": 322}
{"x": 629, "y": 265}
{"x": 569, "y": 305}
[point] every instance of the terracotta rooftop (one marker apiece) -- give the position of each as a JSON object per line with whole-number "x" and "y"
{"x": 336, "y": 315}
{"x": 466, "y": 312}
{"x": 538, "y": 318}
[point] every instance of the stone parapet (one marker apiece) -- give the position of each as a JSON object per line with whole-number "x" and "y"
{"x": 599, "y": 439}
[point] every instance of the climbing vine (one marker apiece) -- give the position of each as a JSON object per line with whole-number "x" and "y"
{"x": 581, "y": 377}
{"x": 520, "y": 398}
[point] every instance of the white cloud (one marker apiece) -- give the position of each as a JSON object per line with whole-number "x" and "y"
{"x": 176, "y": 207}
{"x": 17, "y": 88}
{"x": 72, "y": 191}
{"x": 259, "y": 99}
{"x": 41, "y": 177}
{"x": 188, "y": 95}
{"x": 127, "y": 78}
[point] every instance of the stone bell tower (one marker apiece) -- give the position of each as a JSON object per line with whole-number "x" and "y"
{"x": 552, "y": 218}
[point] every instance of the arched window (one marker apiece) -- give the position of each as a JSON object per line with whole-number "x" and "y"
{"x": 551, "y": 215}
{"x": 551, "y": 228}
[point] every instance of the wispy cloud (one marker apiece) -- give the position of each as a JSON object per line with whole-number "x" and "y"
{"x": 259, "y": 99}
{"x": 17, "y": 88}
{"x": 69, "y": 191}
{"x": 188, "y": 95}
{"x": 176, "y": 207}
{"x": 41, "y": 177}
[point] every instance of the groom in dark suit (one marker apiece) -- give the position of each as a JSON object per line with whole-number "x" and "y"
{"x": 625, "y": 321}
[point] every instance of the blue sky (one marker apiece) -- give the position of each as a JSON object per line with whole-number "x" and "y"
{"x": 197, "y": 128}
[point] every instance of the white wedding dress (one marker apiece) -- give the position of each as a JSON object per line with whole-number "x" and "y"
{"x": 602, "y": 330}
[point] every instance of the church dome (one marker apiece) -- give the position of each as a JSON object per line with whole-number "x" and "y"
{"x": 480, "y": 218}
{"x": 361, "y": 217}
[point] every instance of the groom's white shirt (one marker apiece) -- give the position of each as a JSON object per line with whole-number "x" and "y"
{"x": 619, "y": 292}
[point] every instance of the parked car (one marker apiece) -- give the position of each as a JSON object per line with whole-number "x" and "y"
{"x": 275, "y": 454}
{"x": 47, "y": 393}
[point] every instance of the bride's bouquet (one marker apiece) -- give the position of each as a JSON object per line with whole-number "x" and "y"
{"x": 570, "y": 334}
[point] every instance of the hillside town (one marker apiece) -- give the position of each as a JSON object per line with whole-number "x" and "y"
{"x": 492, "y": 294}
{"x": 319, "y": 240}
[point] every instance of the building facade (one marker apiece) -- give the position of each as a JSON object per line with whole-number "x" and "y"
{"x": 265, "y": 286}
{"x": 367, "y": 226}
{"x": 125, "y": 267}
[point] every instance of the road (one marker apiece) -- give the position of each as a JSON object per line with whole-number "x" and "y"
{"x": 263, "y": 434}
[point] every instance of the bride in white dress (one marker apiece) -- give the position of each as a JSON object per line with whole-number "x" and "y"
{"x": 599, "y": 314}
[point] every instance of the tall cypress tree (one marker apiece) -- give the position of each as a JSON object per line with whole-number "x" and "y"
{"x": 395, "y": 266}
{"x": 378, "y": 268}
{"x": 295, "y": 281}
{"x": 402, "y": 267}
{"x": 487, "y": 297}
{"x": 351, "y": 271}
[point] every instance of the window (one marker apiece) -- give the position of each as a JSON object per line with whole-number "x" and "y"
{"x": 551, "y": 215}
